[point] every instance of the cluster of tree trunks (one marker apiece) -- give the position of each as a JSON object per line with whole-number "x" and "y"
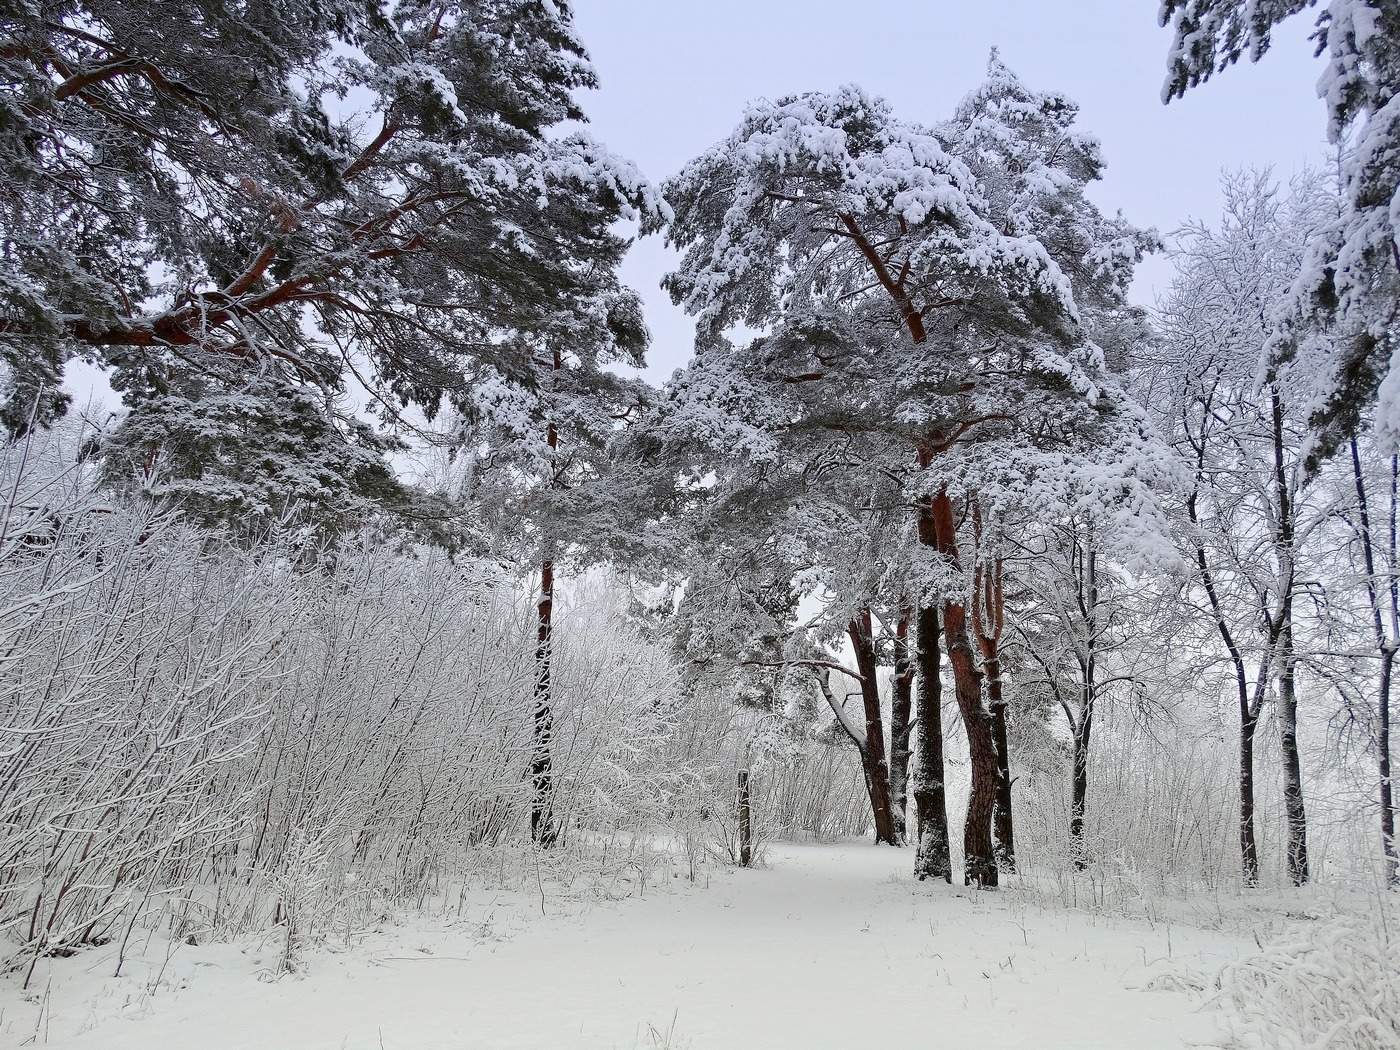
{"x": 1276, "y": 658}
{"x": 954, "y": 622}
{"x": 937, "y": 528}
{"x": 988, "y": 841}
{"x": 979, "y": 855}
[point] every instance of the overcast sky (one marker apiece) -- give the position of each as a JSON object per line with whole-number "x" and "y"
{"x": 675, "y": 78}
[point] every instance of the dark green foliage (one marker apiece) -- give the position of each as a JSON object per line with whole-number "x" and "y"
{"x": 227, "y": 206}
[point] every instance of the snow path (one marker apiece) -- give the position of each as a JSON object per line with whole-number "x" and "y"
{"x": 831, "y": 946}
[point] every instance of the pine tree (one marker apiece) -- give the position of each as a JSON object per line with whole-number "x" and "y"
{"x": 787, "y": 561}
{"x": 256, "y": 202}
{"x": 913, "y": 310}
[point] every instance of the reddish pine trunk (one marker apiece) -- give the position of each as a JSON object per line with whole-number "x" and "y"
{"x": 901, "y": 704}
{"x": 979, "y": 858}
{"x": 876, "y": 767}
{"x": 932, "y": 860}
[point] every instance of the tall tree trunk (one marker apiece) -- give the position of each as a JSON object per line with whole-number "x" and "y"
{"x": 901, "y": 704}
{"x": 1249, "y": 713}
{"x": 1385, "y": 646}
{"x": 979, "y": 858}
{"x": 1083, "y": 726}
{"x": 931, "y": 859}
{"x": 1249, "y": 850}
{"x": 542, "y": 827}
{"x": 1392, "y": 862}
{"x": 1295, "y": 813}
{"x": 1003, "y": 825}
{"x": 743, "y": 806}
{"x": 988, "y": 619}
{"x": 876, "y": 767}
{"x": 979, "y": 864}
{"x": 1079, "y": 793}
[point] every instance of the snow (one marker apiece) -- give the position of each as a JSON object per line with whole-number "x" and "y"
{"x": 827, "y": 946}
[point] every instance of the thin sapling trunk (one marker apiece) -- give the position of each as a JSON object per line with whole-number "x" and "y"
{"x": 901, "y": 703}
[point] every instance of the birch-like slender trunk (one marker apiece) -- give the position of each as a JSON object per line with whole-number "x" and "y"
{"x": 1387, "y": 799}
{"x": 1082, "y": 727}
{"x": 877, "y": 770}
{"x": 745, "y": 818}
{"x": 901, "y": 704}
{"x": 1386, "y": 646}
{"x": 1249, "y": 849}
{"x": 988, "y": 618}
{"x": 1079, "y": 793}
{"x": 543, "y": 828}
{"x": 1294, "y": 813}
{"x": 1248, "y": 706}
{"x": 1284, "y": 540}
{"x": 1248, "y": 702}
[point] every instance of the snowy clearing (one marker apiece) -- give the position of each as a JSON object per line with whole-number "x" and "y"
{"x": 830, "y": 946}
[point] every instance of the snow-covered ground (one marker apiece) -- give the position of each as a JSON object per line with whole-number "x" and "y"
{"x": 829, "y": 946}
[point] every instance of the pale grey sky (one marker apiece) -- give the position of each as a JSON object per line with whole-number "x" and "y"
{"x": 675, "y": 77}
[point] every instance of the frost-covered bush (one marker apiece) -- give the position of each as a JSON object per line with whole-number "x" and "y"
{"x": 815, "y": 790}
{"x": 1162, "y": 819}
{"x": 1159, "y": 818}
{"x": 225, "y": 737}
{"x": 1331, "y": 984}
